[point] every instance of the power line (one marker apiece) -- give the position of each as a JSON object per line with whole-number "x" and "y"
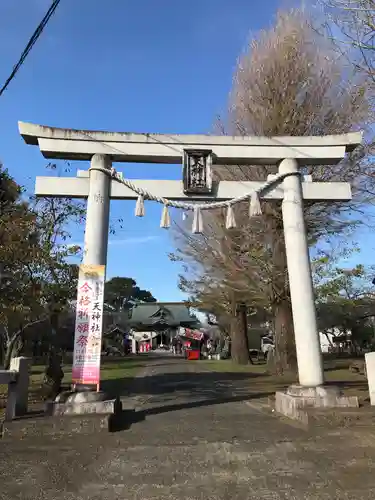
{"x": 31, "y": 44}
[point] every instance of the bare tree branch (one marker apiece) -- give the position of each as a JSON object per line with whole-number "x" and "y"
{"x": 288, "y": 81}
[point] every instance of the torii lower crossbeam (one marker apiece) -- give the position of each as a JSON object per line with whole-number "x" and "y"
{"x": 79, "y": 187}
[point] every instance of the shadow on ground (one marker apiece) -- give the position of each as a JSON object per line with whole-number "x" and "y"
{"x": 199, "y": 384}
{"x": 126, "y": 418}
{"x": 180, "y": 390}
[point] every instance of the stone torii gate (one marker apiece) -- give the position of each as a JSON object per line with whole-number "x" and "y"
{"x": 197, "y": 153}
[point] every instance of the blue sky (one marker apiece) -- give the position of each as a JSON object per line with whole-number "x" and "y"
{"x": 142, "y": 66}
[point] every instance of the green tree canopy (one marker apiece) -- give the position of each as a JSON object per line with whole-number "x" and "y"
{"x": 345, "y": 298}
{"x": 38, "y": 280}
{"x": 121, "y": 292}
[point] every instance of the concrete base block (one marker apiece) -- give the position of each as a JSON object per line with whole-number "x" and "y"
{"x": 98, "y": 407}
{"x": 370, "y": 373}
{"x": 22, "y": 366}
{"x": 83, "y": 403}
{"x": 297, "y": 399}
{"x": 90, "y": 424}
{"x": 81, "y": 397}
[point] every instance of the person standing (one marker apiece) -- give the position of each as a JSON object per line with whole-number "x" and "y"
{"x": 174, "y": 345}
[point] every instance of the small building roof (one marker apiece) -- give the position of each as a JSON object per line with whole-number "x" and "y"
{"x": 161, "y": 315}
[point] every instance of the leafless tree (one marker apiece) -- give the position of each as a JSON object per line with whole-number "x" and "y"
{"x": 288, "y": 81}
{"x": 350, "y": 24}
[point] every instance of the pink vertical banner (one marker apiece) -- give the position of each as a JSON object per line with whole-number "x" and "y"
{"x": 89, "y": 325}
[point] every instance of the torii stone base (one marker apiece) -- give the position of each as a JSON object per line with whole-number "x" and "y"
{"x": 294, "y": 402}
{"x": 82, "y": 403}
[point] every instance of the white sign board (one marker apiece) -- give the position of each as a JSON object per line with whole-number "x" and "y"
{"x": 89, "y": 324}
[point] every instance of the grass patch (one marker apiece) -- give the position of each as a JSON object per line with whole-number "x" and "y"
{"x": 259, "y": 381}
{"x": 226, "y": 365}
{"x": 336, "y": 373}
{"x": 110, "y": 369}
{"x": 115, "y": 376}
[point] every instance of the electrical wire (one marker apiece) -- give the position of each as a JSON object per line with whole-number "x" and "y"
{"x": 31, "y": 44}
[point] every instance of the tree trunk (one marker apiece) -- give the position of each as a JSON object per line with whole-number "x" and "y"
{"x": 2, "y": 347}
{"x": 15, "y": 345}
{"x": 245, "y": 326}
{"x": 53, "y": 376}
{"x": 284, "y": 359}
{"x": 10, "y": 349}
{"x": 54, "y": 373}
{"x": 239, "y": 345}
{"x": 328, "y": 339}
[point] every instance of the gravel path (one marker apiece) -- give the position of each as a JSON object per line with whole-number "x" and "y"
{"x": 192, "y": 436}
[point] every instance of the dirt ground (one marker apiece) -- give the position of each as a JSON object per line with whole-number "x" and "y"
{"x": 193, "y": 433}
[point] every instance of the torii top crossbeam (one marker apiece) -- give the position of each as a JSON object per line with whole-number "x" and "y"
{"x": 70, "y": 144}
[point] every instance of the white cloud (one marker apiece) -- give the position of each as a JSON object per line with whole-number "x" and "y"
{"x": 132, "y": 240}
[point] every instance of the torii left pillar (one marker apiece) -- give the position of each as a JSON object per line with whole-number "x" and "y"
{"x": 97, "y": 215}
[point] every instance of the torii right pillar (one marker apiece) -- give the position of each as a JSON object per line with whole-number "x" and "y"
{"x": 310, "y": 392}
{"x": 309, "y": 357}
